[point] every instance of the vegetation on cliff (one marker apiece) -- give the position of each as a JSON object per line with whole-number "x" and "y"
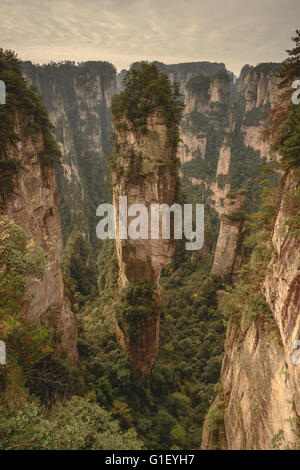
{"x": 146, "y": 117}
{"x": 282, "y": 130}
{"x": 169, "y": 411}
{"x": 200, "y": 85}
{"x": 216, "y": 123}
{"x": 244, "y": 300}
{"x": 146, "y": 91}
{"x": 291, "y": 67}
{"x": 77, "y": 96}
{"x": 34, "y": 377}
{"x": 135, "y": 306}
{"x": 23, "y": 105}
{"x": 19, "y": 257}
{"x": 183, "y": 70}
{"x": 47, "y": 404}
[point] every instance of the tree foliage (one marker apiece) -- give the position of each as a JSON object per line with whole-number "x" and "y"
{"x": 147, "y": 90}
{"x": 291, "y": 68}
{"x": 79, "y": 269}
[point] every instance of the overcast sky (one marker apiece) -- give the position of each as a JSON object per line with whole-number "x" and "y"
{"x": 235, "y": 32}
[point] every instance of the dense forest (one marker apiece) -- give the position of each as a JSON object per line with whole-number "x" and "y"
{"x": 101, "y": 401}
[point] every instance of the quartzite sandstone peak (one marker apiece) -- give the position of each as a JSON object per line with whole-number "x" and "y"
{"x": 144, "y": 172}
{"x": 34, "y": 206}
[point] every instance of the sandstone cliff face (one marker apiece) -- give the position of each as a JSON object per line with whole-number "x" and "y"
{"x": 204, "y": 151}
{"x": 259, "y": 88}
{"x": 33, "y": 206}
{"x": 145, "y": 173}
{"x": 78, "y": 100}
{"x": 226, "y": 254}
{"x": 221, "y": 129}
{"x": 221, "y": 190}
{"x": 282, "y": 284}
{"x": 258, "y": 85}
{"x": 182, "y": 73}
{"x": 259, "y": 396}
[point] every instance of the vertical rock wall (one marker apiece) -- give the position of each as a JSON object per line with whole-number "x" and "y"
{"x": 259, "y": 400}
{"x": 144, "y": 171}
{"x": 34, "y": 206}
{"x": 78, "y": 100}
{"x": 226, "y": 253}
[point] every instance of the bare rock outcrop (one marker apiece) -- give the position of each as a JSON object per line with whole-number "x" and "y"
{"x": 145, "y": 172}
{"x": 34, "y": 206}
{"x": 281, "y": 287}
{"x": 258, "y": 405}
{"x": 229, "y": 236}
{"x": 222, "y": 125}
{"x": 78, "y": 98}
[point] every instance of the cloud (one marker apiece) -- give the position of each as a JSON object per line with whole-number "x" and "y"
{"x": 122, "y": 31}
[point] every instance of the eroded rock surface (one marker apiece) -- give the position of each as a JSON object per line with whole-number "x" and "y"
{"x": 34, "y": 206}
{"x": 145, "y": 172}
{"x": 259, "y": 397}
{"x": 229, "y": 237}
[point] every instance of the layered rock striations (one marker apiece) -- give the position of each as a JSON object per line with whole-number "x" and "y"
{"x": 221, "y": 147}
{"x": 78, "y": 99}
{"x": 226, "y": 258}
{"x": 144, "y": 169}
{"x": 258, "y": 405}
{"x": 144, "y": 172}
{"x": 31, "y": 201}
{"x": 281, "y": 287}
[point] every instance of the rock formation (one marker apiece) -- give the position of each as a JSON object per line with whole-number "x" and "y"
{"x": 183, "y": 72}
{"x": 221, "y": 148}
{"x": 144, "y": 172}
{"x": 222, "y": 123}
{"x": 258, "y": 405}
{"x": 33, "y": 205}
{"x": 232, "y": 219}
{"x": 78, "y": 100}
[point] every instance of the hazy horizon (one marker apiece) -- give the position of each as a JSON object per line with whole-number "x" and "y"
{"x": 125, "y": 31}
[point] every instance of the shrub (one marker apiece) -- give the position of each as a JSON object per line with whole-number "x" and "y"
{"x": 76, "y": 424}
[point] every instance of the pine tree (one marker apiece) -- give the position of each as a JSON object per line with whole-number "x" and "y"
{"x": 291, "y": 68}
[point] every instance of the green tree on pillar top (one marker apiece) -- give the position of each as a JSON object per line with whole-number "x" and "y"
{"x": 148, "y": 90}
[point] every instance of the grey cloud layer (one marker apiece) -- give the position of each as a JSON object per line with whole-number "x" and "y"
{"x": 122, "y": 31}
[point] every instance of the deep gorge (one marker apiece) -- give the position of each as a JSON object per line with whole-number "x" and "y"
{"x": 219, "y": 363}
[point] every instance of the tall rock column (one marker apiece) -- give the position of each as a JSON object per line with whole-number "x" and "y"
{"x": 34, "y": 206}
{"x": 78, "y": 100}
{"x": 29, "y": 196}
{"x": 226, "y": 256}
{"x": 258, "y": 404}
{"x": 145, "y": 174}
{"x": 143, "y": 168}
